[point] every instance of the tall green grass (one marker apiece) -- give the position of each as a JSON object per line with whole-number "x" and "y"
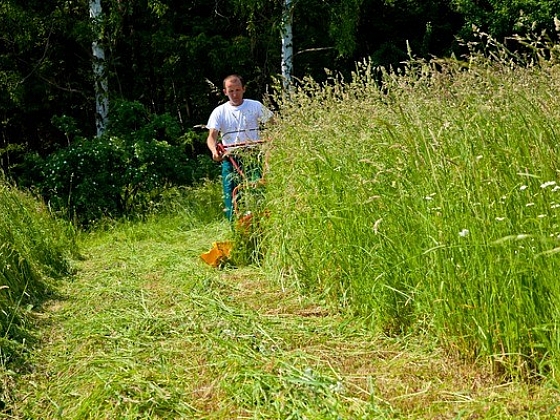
{"x": 34, "y": 250}
{"x": 428, "y": 205}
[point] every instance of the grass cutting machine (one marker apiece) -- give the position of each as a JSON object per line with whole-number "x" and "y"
{"x": 247, "y": 196}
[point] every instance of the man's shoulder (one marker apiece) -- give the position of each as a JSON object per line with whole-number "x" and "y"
{"x": 221, "y": 107}
{"x": 255, "y": 106}
{"x": 219, "y": 110}
{"x": 216, "y": 116}
{"x": 252, "y": 102}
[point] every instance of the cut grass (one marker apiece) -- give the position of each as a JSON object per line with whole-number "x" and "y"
{"x": 146, "y": 330}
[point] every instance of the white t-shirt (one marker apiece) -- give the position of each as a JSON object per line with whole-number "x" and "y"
{"x": 239, "y": 124}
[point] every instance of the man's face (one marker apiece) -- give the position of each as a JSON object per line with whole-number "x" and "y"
{"x": 234, "y": 91}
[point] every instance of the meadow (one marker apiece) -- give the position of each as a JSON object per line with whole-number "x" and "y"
{"x": 35, "y": 252}
{"x": 429, "y": 206}
{"x": 406, "y": 257}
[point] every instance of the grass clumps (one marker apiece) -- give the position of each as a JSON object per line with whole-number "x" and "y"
{"x": 430, "y": 205}
{"x": 34, "y": 249}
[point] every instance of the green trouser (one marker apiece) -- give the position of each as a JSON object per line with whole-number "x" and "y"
{"x": 231, "y": 179}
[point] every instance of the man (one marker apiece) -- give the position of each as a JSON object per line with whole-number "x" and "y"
{"x": 236, "y": 122}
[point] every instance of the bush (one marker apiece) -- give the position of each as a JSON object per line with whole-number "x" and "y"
{"x": 123, "y": 172}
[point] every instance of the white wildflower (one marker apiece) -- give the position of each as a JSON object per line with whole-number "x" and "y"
{"x": 548, "y": 184}
{"x": 523, "y": 187}
{"x": 500, "y": 219}
{"x": 464, "y": 233}
{"x": 376, "y": 226}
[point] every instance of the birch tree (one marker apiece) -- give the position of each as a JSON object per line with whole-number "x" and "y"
{"x": 101, "y": 84}
{"x": 287, "y": 45}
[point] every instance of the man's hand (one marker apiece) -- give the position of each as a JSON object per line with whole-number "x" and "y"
{"x": 216, "y": 157}
{"x": 212, "y": 142}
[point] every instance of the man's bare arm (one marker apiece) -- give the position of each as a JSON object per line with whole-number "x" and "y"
{"x": 212, "y": 142}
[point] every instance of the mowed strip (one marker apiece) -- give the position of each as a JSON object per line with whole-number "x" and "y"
{"x": 147, "y": 330}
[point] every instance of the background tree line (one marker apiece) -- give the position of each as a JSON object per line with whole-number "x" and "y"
{"x": 165, "y": 63}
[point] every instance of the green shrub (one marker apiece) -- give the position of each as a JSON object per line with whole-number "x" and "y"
{"x": 123, "y": 172}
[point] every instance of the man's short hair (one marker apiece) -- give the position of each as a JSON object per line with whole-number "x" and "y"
{"x": 234, "y": 76}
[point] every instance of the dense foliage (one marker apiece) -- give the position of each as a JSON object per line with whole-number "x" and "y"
{"x": 123, "y": 172}
{"x": 170, "y": 56}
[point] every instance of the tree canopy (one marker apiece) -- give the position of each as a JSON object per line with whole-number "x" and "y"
{"x": 170, "y": 56}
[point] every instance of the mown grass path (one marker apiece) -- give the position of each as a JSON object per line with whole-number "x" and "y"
{"x": 146, "y": 331}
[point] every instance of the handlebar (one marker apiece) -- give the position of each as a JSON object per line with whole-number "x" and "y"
{"x": 225, "y": 150}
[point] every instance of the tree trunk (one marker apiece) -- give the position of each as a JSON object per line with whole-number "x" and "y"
{"x": 99, "y": 72}
{"x": 287, "y": 45}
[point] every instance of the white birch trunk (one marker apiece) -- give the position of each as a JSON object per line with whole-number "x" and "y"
{"x": 287, "y": 46}
{"x": 99, "y": 73}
